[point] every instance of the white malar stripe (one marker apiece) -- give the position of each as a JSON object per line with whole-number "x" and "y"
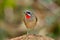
{"x": 29, "y": 14}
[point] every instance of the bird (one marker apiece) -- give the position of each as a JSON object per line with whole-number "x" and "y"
{"x": 30, "y": 21}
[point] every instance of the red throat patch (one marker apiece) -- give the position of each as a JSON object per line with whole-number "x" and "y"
{"x": 27, "y": 16}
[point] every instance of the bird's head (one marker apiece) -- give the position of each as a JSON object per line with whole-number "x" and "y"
{"x": 28, "y": 14}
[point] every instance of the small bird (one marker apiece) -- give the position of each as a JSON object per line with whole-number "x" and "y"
{"x": 30, "y": 21}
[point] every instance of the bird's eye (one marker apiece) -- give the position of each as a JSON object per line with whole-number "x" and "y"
{"x": 28, "y": 12}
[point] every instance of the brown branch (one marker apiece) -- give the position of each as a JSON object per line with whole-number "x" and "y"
{"x": 32, "y": 37}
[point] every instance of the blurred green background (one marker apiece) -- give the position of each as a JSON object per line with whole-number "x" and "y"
{"x": 16, "y": 19}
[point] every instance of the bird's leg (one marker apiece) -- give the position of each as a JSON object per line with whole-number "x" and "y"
{"x": 30, "y": 31}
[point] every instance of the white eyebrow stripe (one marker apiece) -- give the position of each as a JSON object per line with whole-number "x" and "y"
{"x": 28, "y": 11}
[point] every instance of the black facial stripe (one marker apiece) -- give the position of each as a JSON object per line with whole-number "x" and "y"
{"x": 28, "y": 12}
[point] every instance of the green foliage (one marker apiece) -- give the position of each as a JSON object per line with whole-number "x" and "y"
{"x": 3, "y": 34}
{"x": 2, "y": 10}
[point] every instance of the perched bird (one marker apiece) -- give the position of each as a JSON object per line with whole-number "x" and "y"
{"x": 30, "y": 21}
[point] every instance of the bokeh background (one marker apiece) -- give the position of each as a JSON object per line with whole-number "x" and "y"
{"x": 11, "y": 18}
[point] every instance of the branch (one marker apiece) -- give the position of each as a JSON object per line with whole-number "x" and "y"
{"x": 32, "y": 37}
